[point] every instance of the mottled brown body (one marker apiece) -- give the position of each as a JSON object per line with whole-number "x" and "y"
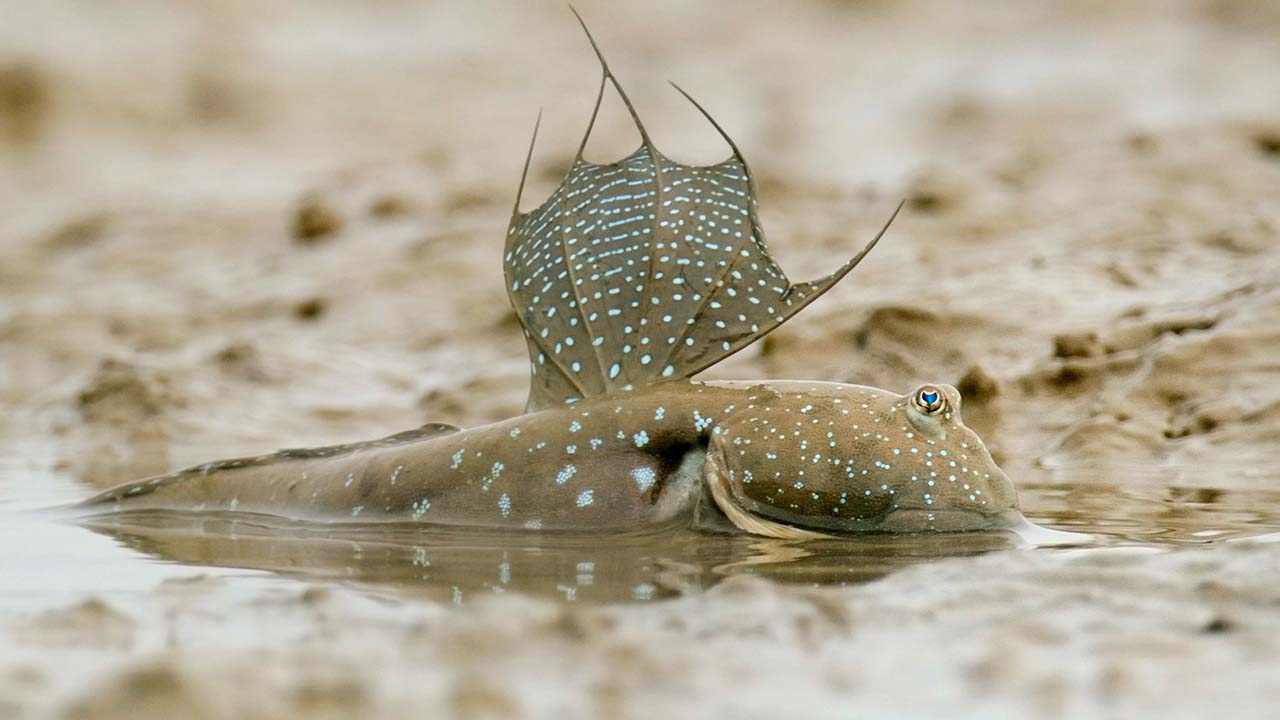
{"x": 606, "y": 463}
{"x": 833, "y": 457}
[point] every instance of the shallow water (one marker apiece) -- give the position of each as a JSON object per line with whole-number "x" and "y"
{"x": 1090, "y": 242}
{"x": 49, "y": 556}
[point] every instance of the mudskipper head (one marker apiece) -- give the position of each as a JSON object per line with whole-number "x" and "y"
{"x": 830, "y": 459}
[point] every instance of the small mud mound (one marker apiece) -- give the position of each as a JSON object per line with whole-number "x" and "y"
{"x": 79, "y": 233}
{"x": 242, "y": 361}
{"x": 364, "y": 201}
{"x": 25, "y": 102}
{"x": 89, "y": 623}
{"x": 895, "y": 347}
{"x": 476, "y": 401}
{"x": 150, "y": 692}
{"x": 1168, "y": 386}
{"x": 118, "y": 394}
{"x": 936, "y": 191}
{"x": 122, "y": 432}
{"x": 316, "y": 220}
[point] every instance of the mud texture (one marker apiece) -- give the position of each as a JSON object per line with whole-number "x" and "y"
{"x": 229, "y": 227}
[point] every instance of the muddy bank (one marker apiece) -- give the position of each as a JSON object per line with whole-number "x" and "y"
{"x": 229, "y": 229}
{"x": 1123, "y": 631}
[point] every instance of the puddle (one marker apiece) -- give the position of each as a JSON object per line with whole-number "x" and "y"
{"x": 448, "y": 564}
{"x": 226, "y": 231}
{"x": 48, "y": 557}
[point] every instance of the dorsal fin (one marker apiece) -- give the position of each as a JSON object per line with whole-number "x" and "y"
{"x": 524, "y": 174}
{"x": 607, "y": 75}
{"x": 645, "y": 270}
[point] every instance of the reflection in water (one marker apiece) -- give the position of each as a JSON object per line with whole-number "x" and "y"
{"x": 457, "y": 564}
{"x": 1167, "y": 515}
{"x": 454, "y": 564}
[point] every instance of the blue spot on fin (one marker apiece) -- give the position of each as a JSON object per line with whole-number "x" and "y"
{"x": 645, "y": 249}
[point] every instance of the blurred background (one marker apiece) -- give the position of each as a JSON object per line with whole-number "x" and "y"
{"x": 117, "y": 99}
{"x": 230, "y": 225}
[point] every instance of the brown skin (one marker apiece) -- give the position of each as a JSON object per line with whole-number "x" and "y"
{"x": 634, "y": 460}
{"x": 846, "y": 458}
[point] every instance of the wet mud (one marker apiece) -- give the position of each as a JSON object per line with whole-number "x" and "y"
{"x": 227, "y": 229}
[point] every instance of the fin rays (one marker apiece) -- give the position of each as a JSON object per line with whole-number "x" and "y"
{"x": 524, "y": 174}
{"x": 728, "y": 140}
{"x": 608, "y": 75}
{"x": 574, "y": 282}
{"x": 595, "y": 112}
{"x": 807, "y": 292}
{"x": 645, "y": 270}
{"x": 845, "y": 269}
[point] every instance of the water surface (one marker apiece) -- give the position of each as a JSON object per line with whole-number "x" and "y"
{"x": 48, "y": 557}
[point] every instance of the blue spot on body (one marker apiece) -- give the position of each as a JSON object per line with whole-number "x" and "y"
{"x": 567, "y": 472}
{"x": 645, "y": 477}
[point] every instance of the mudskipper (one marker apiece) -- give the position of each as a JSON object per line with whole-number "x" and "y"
{"x": 628, "y": 280}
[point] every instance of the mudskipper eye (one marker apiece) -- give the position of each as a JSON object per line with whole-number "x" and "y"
{"x": 930, "y": 400}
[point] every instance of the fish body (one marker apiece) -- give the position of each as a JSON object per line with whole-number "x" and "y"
{"x": 628, "y": 280}
{"x": 604, "y": 463}
{"x": 828, "y": 456}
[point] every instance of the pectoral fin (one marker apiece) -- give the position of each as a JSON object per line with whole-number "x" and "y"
{"x": 717, "y": 479}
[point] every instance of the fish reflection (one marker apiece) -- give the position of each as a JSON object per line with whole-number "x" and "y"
{"x": 459, "y": 565}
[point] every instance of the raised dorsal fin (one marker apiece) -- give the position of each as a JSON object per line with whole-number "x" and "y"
{"x": 645, "y": 270}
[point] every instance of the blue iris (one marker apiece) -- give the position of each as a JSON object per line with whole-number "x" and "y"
{"x": 929, "y": 398}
